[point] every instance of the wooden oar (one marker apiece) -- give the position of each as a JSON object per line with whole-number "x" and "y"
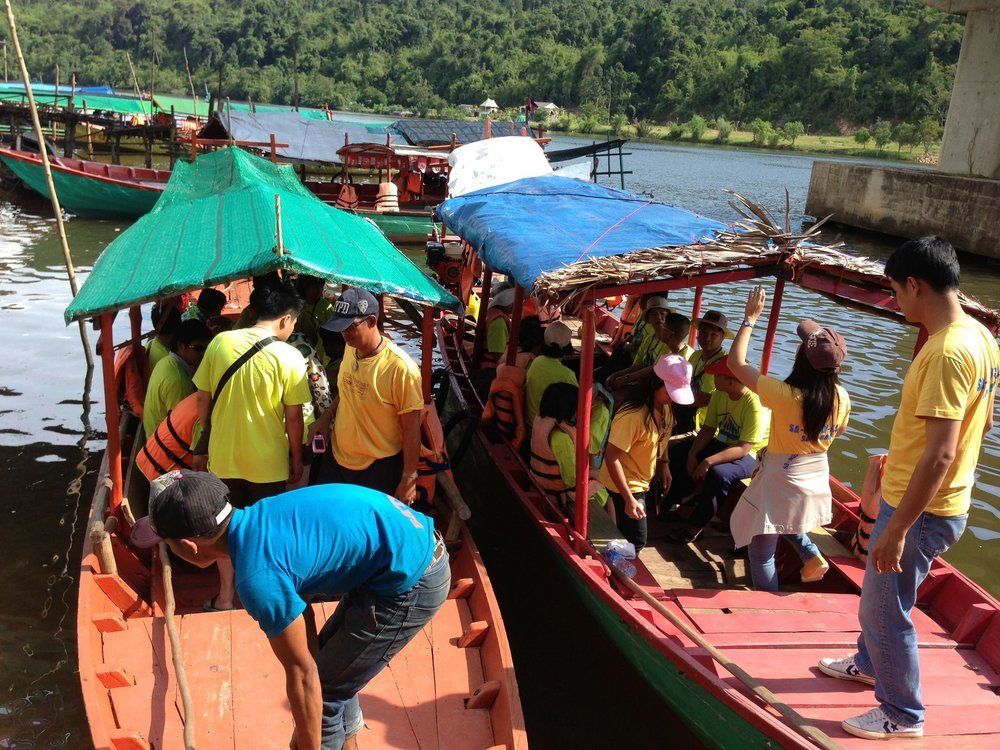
{"x": 796, "y": 719}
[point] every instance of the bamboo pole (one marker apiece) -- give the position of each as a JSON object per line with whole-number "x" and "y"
{"x": 799, "y": 722}
{"x": 176, "y": 655}
{"x": 67, "y": 258}
{"x": 55, "y": 102}
{"x": 135, "y": 84}
{"x": 90, "y": 133}
{"x": 279, "y": 247}
{"x": 194, "y": 96}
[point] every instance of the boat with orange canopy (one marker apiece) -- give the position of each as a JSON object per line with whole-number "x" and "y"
{"x": 736, "y": 665}
{"x": 156, "y": 671}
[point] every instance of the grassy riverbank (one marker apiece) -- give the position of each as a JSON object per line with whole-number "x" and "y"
{"x": 834, "y": 145}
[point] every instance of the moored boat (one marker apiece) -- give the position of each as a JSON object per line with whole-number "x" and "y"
{"x": 737, "y": 666}
{"x": 90, "y": 188}
{"x": 451, "y": 687}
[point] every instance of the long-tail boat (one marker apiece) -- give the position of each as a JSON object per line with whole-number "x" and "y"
{"x": 736, "y": 665}
{"x": 90, "y": 188}
{"x": 225, "y": 217}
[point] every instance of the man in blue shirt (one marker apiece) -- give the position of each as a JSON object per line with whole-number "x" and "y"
{"x": 383, "y": 557}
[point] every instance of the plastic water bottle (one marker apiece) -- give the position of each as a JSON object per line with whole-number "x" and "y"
{"x": 619, "y": 561}
{"x": 626, "y": 549}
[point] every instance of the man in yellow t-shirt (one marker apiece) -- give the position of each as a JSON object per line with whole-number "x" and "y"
{"x": 498, "y": 324}
{"x": 255, "y": 423}
{"x": 375, "y": 437}
{"x": 725, "y": 449}
{"x": 170, "y": 383}
{"x": 547, "y": 368}
{"x": 165, "y": 322}
{"x": 945, "y": 409}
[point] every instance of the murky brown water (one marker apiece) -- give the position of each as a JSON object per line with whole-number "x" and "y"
{"x": 46, "y": 443}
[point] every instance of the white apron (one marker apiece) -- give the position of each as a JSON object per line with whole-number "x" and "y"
{"x": 790, "y": 494}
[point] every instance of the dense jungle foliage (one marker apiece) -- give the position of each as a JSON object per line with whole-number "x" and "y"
{"x": 822, "y": 62}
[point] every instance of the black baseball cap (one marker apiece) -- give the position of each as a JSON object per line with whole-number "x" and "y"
{"x": 352, "y": 304}
{"x": 182, "y": 505}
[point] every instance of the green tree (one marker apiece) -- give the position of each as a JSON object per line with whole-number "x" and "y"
{"x": 862, "y": 136}
{"x": 617, "y": 124}
{"x": 882, "y": 134}
{"x": 643, "y": 128}
{"x": 696, "y": 126}
{"x": 792, "y": 131}
{"x": 904, "y": 134}
{"x": 761, "y": 130}
{"x": 674, "y": 131}
{"x": 774, "y": 137}
{"x": 928, "y": 132}
{"x": 724, "y": 129}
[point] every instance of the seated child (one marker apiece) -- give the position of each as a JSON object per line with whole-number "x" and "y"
{"x": 667, "y": 336}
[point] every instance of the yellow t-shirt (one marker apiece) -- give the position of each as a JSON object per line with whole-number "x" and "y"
{"x": 497, "y": 334}
{"x": 702, "y": 382}
{"x": 169, "y": 384}
{"x": 155, "y": 351}
{"x": 543, "y": 372}
{"x": 248, "y": 438}
{"x": 742, "y": 420}
{"x": 954, "y": 376}
{"x": 641, "y": 442}
{"x": 786, "y": 434}
{"x": 374, "y": 392}
{"x": 564, "y": 449}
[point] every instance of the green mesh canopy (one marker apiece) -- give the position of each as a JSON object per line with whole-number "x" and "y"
{"x": 215, "y": 223}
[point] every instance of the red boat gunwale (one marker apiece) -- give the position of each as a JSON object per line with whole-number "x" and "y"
{"x": 114, "y": 174}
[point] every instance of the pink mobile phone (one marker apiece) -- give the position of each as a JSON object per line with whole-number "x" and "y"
{"x": 319, "y": 443}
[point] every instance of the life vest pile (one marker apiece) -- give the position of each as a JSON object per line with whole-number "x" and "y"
{"x": 505, "y": 402}
{"x": 387, "y": 201}
{"x": 347, "y": 198}
{"x": 433, "y": 454}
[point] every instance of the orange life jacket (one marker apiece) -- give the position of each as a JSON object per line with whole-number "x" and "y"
{"x": 347, "y": 198}
{"x": 132, "y": 377}
{"x": 871, "y": 491}
{"x": 505, "y": 401}
{"x": 543, "y": 464}
{"x": 628, "y": 320}
{"x": 433, "y": 453}
{"x": 169, "y": 447}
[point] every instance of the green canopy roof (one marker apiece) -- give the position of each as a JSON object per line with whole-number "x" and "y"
{"x": 215, "y": 223}
{"x": 120, "y": 104}
{"x": 183, "y": 105}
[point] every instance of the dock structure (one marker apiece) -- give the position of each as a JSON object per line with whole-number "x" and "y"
{"x": 960, "y": 199}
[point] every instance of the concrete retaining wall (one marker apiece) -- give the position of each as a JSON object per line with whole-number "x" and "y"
{"x": 909, "y": 203}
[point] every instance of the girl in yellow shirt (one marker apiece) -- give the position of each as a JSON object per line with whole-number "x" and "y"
{"x": 790, "y": 494}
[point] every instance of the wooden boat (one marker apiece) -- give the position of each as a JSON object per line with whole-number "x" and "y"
{"x": 90, "y": 188}
{"x": 454, "y": 687}
{"x": 711, "y": 648}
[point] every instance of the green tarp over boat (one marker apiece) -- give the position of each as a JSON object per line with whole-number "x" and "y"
{"x": 119, "y": 104}
{"x": 215, "y": 223}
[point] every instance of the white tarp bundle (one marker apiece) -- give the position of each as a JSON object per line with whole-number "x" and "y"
{"x": 495, "y": 161}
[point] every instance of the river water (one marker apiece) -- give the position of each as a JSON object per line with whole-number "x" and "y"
{"x": 47, "y": 445}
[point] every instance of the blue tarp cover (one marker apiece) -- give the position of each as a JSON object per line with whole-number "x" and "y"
{"x": 539, "y": 224}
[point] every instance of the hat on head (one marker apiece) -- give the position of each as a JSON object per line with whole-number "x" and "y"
{"x": 720, "y": 368}
{"x": 558, "y": 334}
{"x": 656, "y": 303}
{"x": 352, "y": 304}
{"x": 182, "y": 504}
{"x": 825, "y": 348}
{"x": 675, "y": 372}
{"x": 503, "y": 298}
{"x": 717, "y": 319}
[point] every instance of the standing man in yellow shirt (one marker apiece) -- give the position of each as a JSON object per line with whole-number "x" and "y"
{"x": 945, "y": 409}
{"x": 251, "y": 388}
{"x": 375, "y": 439}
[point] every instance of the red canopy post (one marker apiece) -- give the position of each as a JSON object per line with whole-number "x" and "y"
{"x": 772, "y": 325}
{"x": 427, "y": 353}
{"x": 484, "y": 305}
{"x": 587, "y": 332}
{"x": 112, "y": 412}
{"x": 695, "y": 312}
{"x": 515, "y": 325}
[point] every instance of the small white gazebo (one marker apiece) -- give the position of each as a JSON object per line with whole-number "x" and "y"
{"x": 488, "y": 107}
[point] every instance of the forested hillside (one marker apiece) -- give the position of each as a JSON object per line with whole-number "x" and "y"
{"x": 824, "y": 62}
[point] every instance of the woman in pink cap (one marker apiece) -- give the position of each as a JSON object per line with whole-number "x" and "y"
{"x": 637, "y": 443}
{"x": 790, "y": 494}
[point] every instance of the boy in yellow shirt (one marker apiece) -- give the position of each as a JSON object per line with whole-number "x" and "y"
{"x": 945, "y": 409}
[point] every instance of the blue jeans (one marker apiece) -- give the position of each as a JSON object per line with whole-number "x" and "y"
{"x": 761, "y": 551}
{"x": 717, "y": 483}
{"x": 887, "y": 646}
{"x": 364, "y": 633}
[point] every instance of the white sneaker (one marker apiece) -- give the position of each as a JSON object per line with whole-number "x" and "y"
{"x": 876, "y": 725}
{"x": 844, "y": 669}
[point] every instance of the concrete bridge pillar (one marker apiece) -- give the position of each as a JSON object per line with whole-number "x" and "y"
{"x": 971, "y": 144}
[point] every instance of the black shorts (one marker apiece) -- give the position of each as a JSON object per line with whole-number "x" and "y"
{"x": 383, "y": 474}
{"x": 243, "y": 494}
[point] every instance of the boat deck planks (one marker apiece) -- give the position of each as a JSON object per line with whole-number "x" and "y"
{"x": 206, "y": 641}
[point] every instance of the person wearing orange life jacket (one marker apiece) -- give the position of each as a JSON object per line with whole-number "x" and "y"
{"x": 169, "y": 447}
{"x": 498, "y": 325}
{"x": 505, "y": 401}
{"x": 553, "y": 444}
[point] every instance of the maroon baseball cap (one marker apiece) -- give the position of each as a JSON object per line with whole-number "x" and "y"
{"x": 825, "y": 348}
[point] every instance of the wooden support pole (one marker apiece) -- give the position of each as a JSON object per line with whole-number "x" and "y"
{"x": 427, "y": 352}
{"x": 772, "y": 326}
{"x": 587, "y": 336}
{"x": 194, "y": 96}
{"x": 55, "y": 102}
{"x": 173, "y": 138}
{"x": 515, "y": 325}
{"x": 56, "y": 208}
{"x": 111, "y": 410}
{"x": 274, "y": 149}
{"x": 279, "y": 246}
{"x": 695, "y": 313}
{"x": 135, "y": 84}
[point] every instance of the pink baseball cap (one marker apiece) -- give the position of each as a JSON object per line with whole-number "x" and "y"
{"x": 675, "y": 372}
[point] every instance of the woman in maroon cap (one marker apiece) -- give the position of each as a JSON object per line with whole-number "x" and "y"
{"x": 790, "y": 494}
